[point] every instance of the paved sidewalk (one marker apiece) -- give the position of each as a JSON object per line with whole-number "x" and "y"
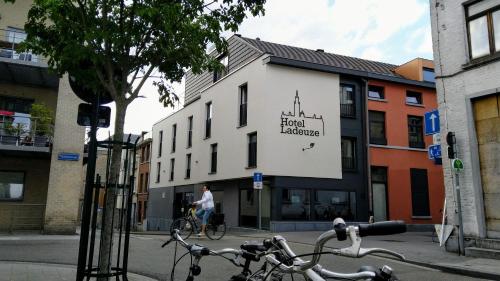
{"x": 25, "y": 271}
{"x": 417, "y": 247}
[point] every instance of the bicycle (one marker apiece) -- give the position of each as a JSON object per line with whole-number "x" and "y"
{"x": 279, "y": 256}
{"x": 215, "y": 229}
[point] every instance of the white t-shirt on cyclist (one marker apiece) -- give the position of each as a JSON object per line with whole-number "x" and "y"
{"x": 207, "y": 200}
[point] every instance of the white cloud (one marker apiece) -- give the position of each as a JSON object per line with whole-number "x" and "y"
{"x": 372, "y": 53}
{"x": 346, "y": 27}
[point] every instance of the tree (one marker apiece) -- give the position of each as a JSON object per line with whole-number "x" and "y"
{"x": 130, "y": 41}
{"x": 43, "y": 119}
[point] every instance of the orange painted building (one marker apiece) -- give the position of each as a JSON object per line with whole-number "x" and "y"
{"x": 406, "y": 184}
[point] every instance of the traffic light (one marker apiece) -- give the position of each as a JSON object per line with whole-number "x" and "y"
{"x": 452, "y": 145}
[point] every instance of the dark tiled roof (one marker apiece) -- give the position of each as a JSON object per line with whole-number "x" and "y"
{"x": 312, "y": 56}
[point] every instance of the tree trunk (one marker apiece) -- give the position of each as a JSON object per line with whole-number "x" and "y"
{"x": 114, "y": 174}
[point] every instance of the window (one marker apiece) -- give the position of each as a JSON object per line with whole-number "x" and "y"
{"x": 158, "y": 171}
{"x": 224, "y": 60}
{"x": 208, "y": 120}
{"x": 141, "y": 182}
{"x": 295, "y": 204}
{"x": 143, "y": 154}
{"x": 252, "y": 150}
{"x": 190, "y": 132}
{"x": 188, "y": 166}
{"x": 483, "y": 25}
{"x": 330, "y": 204}
{"x": 174, "y": 134}
{"x": 243, "y": 105}
{"x": 347, "y": 103}
{"x": 160, "y": 138}
{"x": 15, "y": 35}
{"x": 416, "y": 132}
{"x": 146, "y": 183}
{"x": 148, "y": 151}
{"x": 348, "y": 152}
{"x": 413, "y": 97}
{"x": 172, "y": 167}
{"x": 213, "y": 158}
{"x": 11, "y": 186}
{"x": 419, "y": 193}
{"x": 428, "y": 74}
{"x": 376, "y": 92}
{"x": 377, "y": 127}
{"x": 17, "y": 105}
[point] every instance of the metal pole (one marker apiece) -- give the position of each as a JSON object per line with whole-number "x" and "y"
{"x": 460, "y": 222}
{"x": 260, "y": 208}
{"x": 87, "y": 199}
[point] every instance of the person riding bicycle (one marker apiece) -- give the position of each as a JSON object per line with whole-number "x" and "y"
{"x": 207, "y": 208}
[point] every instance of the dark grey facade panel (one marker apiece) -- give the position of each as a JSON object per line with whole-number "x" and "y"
{"x": 160, "y": 209}
{"x": 239, "y": 53}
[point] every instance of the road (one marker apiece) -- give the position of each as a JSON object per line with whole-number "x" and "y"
{"x": 148, "y": 258}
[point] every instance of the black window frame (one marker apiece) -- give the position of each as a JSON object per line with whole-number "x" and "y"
{"x": 219, "y": 74}
{"x": 172, "y": 169}
{"x": 174, "y": 136}
{"x": 160, "y": 143}
{"x": 428, "y": 70}
{"x": 347, "y": 110}
{"x": 21, "y": 198}
{"x": 420, "y": 193}
{"x": 20, "y": 105}
{"x": 490, "y": 25}
{"x": 252, "y": 150}
{"x": 243, "y": 105}
{"x": 416, "y": 129}
{"x": 374, "y": 140}
{"x": 208, "y": 119}
{"x": 188, "y": 166}
{"x": 158, "y": 171}
{"x": 213, "y": 158}
{"x": 349, "y": 163}
{"x": 414, "y": 94}
{"x": 374, "y": 88}
{"x": 190, "y": 132}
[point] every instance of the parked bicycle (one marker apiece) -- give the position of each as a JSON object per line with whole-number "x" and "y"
{"x": 281, "y": 260}
{"x": 189, "y": 224}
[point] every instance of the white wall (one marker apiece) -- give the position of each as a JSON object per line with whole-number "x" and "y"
{"x": 271, "y": 90}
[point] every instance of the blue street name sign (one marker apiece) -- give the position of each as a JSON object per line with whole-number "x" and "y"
{"x": 432, "y": 122}
{"x": 257, "y": 180}
{"x": 64, "y": 156}
{"x": 435, "y": 151}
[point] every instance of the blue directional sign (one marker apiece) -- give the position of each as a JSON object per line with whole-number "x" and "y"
{"x": 434, "y": 151}
{"x": 432, "y": 122}
{"x": 257, "y": 180}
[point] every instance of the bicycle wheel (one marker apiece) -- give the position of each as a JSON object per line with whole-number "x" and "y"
{"x": 215, "y": 231}
{"x": 184, "y": 226}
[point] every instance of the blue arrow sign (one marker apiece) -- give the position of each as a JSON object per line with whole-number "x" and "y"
{"x": 432, "y": 122}
{"x": 434, "y": 151}
{"x": 257, "y": 177}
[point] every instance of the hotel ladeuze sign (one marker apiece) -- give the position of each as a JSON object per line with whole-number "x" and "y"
{"x": 298, "y": 123}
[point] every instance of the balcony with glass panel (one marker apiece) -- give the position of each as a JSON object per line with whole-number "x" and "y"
{"x": 20, "y": 132}
{"x": 19, "y": 67}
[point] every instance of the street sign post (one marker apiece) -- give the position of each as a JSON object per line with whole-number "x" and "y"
{"x": 432, "y": 122}
{"x": 257, "y": 185}
{"x": 434, "y": 151}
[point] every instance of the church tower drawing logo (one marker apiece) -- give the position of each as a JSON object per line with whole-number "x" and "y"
{"x": 296, "y": 122}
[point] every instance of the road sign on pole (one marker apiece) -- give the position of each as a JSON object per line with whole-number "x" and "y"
{"x": 434, "y": 151}
{"x": 257, "y": 185}
{"x": 257, "y": 180}
{"x": 432, "y": 122}
{"x": 458, "y": 165}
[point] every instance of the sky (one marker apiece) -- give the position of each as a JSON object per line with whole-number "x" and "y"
{"x": 392, "y": 31}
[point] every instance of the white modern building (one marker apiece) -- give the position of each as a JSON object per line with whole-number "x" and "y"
{"x": 297, "y": 116}
{"x": 466, "y": 41}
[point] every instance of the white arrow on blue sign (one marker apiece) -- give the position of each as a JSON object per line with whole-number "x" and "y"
{"x": 432, "y": 122}
{"x": 434, "y": 151}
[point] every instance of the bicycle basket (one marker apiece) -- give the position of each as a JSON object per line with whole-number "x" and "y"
{"x": 217, "y": 219}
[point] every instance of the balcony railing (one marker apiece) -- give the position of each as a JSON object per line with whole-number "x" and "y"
{"x": 24, "y": 131}
{"x": 9, "y": 46}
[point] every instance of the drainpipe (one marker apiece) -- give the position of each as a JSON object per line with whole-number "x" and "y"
{"x": 366, "y": 138}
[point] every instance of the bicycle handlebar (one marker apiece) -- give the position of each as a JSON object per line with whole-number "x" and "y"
{"x": 382, "y": 228}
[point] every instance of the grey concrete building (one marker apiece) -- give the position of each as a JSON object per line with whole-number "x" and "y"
{"x": 466, "y": 41}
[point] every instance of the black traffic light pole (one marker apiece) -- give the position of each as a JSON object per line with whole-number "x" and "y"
{"x": 87, "y": 198}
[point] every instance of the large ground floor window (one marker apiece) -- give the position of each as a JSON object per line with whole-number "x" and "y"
{"x": 11, "y": 186}
{"x": 317, "y": 204}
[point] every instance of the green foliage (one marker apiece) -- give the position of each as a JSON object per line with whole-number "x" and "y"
{"x": 42, "y": 119}
{"x": 128, "y": 41}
